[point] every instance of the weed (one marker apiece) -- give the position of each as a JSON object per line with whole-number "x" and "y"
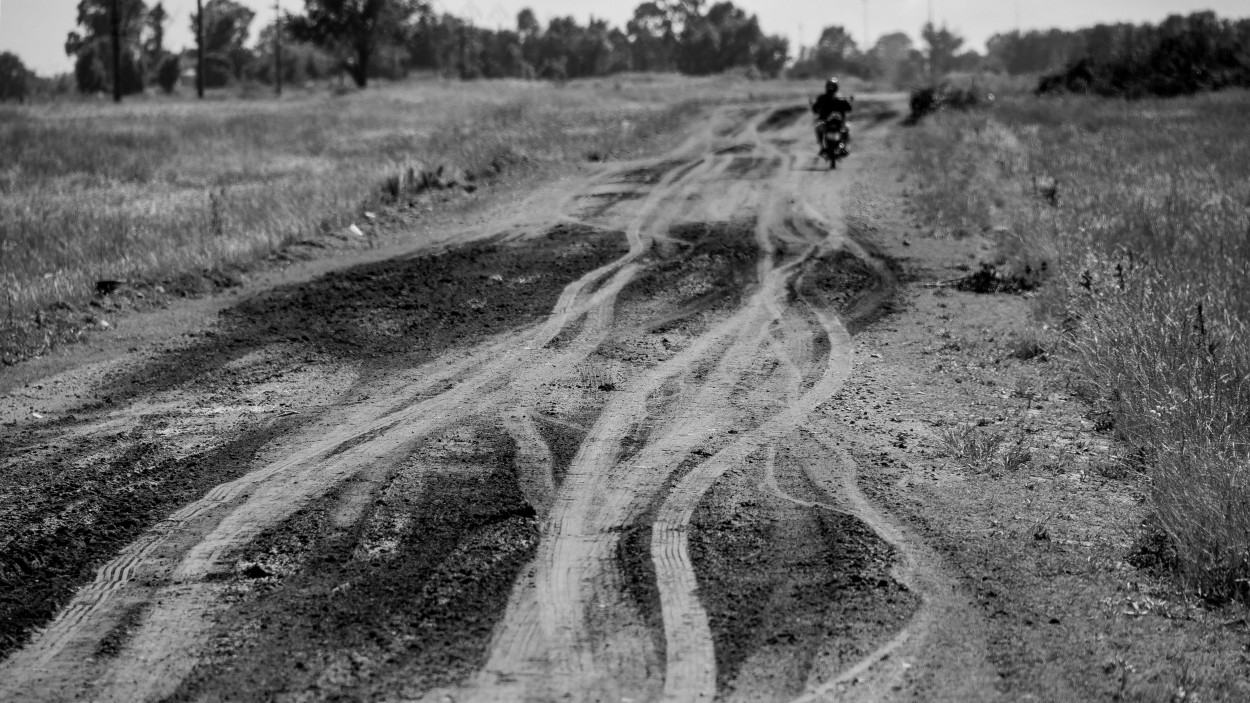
{"x": 1016, "y": 456}
{"x": 1027, "y": 348}
{"x": 972, "y": 446}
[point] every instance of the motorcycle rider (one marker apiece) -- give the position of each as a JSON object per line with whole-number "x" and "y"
{"x": 825, "y": 105}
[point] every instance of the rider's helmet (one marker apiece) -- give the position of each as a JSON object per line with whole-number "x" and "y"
{"x": 831, "y": 86}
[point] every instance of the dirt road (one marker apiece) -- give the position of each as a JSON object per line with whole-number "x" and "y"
{"x": 567, "y": 455}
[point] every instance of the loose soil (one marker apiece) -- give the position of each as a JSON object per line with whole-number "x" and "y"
{"x": 682, "y": 428}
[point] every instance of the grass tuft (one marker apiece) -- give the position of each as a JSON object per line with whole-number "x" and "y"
{"x": 982, "y": 449}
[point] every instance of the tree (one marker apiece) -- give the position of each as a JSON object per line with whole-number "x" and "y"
{"x": 300, "y": 61}
{"x": 92, "y": 47}
{"x": 154, "y": 47}
{"x": 168, "y": 73}
{"x": 651, "y": 37}
{"x": 226, "y": 28}
{"x": 14, "y": 78}
{"x": 527, "y": 24}
{"x": 895, "y": 59}
{"x": 835, "y": 53}
{"x": 356, "y": 30}
{"x": 943, "y": 47}
{"x": 772, "y": 53}
{"x": 724, "y": 38}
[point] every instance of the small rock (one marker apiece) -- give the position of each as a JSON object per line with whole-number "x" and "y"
{"x": 103, "y": 324}
{"x": 355, "y": 230}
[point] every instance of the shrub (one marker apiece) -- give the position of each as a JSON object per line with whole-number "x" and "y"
{"x": 168, "y": 73}
{"x": 1182, "y": 56}
{"x": 928, "y": 100}
{"x": 1149, "y": 258}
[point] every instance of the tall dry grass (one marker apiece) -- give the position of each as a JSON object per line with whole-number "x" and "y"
{"x": 1150, "y": 249}
{"x": 155, "y": 187}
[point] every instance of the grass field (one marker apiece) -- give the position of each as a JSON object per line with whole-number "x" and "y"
{"x": 1148, "y": 249}
{"x": 155, "y": 187}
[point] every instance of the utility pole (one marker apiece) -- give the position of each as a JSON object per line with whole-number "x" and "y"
{"x": 199, "y": 49}
{"x": 277, "y": 49}
{"x": 117, "y": 53}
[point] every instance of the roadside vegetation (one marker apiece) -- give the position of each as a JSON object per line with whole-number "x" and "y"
{"x": 91, "y": 192}
{"x": 1137, "y": 214}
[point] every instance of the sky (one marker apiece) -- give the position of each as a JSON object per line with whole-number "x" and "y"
{"x": 35, "y": 30}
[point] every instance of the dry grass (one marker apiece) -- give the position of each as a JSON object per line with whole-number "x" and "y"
{"x": 155, "y": 187}
{"x": 986, "y": 449}
{"x": 1147, "y": 237}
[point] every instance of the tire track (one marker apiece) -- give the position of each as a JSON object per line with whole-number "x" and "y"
{"x": 691, "y": 660}
{"x": 378, "y": 434}
{"x": 533, "y": 460}
{"x": 568, "y": 630}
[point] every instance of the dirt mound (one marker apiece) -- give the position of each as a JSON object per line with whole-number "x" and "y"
{"x": 785, "y": 584}
{"x": 753, "y": 168}
{"x": 414, "y": 306}
{"x": 87, "y": 499}
{"x": 989, "y": 279}
{"x": 861, "y": 290}
{"x": 783, "y": 118}
{"x": 650, "y": 175}
{"x": 403, "y": 601}
{"x": 704, "y": 265}
{"x": 91, "y": 497}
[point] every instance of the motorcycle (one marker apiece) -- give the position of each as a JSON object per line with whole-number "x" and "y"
{"x": 835, "y": 136}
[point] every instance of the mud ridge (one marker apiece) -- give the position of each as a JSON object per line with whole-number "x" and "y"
{"x": 859, "y": 283}
{"x": 790, "y": 589}
{"x": 783, "y": 118}
{"x": 408, "y": 620}
{"x": 52, "y": 549}
{"x": 413, "y": 307}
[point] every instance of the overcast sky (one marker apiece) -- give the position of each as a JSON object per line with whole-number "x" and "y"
{"x": 35, "y": 29}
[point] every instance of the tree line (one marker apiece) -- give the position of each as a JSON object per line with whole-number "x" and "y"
{"x": 1180, "y": 56}
{"x": 895, "y": 59}
{"x": 362, "y": 40}
{"x": 1198, "y": 39}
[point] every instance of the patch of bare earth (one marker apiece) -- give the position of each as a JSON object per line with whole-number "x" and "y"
{"x": 157, "y": 435}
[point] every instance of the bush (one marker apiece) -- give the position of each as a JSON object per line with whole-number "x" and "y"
{"x": 168, "y": 73}
{"x": 1149, "y": 258}
{"x": 926, "y": 101}
{"x": 13, "y": 78}
{"x": 1182, "y": 56}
